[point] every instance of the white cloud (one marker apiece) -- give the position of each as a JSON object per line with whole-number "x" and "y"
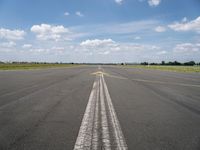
{"x": 187, "y": 48}
{"x": 184, "y": 19}
{"x": 154, "y": 2}
{"x": 124, "y": 28}
{"x": 119, "y": 1}
{"x": 185, "y": 25}
{"x": 110, "y": 47}
{"x": 27, "y": 46}
{"x": 12, "y": 34}
{"x": 58, "y": 48}
{"x": 97, "y": 43}
{"x": 50, "y": 32}
{"x": 153, "y": 47}
{"x": 104, "y": 47}
{"x": 40, "y": 50}
{"x": 160, "y": 29}
{"x": 161, "y": 53}
{"x": 104, "y": 53}
{"x": 137, "y": 38}
{"x": 66, "y": 13}
{"x": 9, "y": 44}
{"x": 78, "y": 13}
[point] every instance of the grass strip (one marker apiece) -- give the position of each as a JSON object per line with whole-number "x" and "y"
{"x": 33, "y": 66}
{"x": 167, "y": 68}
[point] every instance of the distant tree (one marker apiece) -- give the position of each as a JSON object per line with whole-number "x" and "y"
{"x": 190, "y": 63}
{"x": 163, "y": 63}
{"x": 175, "y": 63}
{"x": 153, "y": 64}
{"x": 145, "y": 63}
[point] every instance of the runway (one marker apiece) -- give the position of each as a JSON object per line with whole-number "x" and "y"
{"x": 99, "y": 107}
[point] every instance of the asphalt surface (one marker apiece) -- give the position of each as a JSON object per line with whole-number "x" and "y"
{"x": 43, "y": 109}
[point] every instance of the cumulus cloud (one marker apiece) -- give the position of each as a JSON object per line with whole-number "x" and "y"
{"x": 137, "y": 38}
{"x": 185, "y": 25}
{"x": 184, "y": 19}
{"x": 110, "y": 47}
{"x": 119, "y": 1}
{"x": 40, "y": 50}
{"x": 105, "y": 46}
{"x": 104, "y": 53}
{"x": 66, "y": 13}
{"x": 187, "y": 48}
{"x": 161, "y": 53}
{"x": 9, "y": 44}
{"x": 78, "y": 13}
{"x": 160, "y": 29}
{"x": 27, "y": 46}
{"x": 50, "y": 32}
{"x": 154, "y": 2}
{"x": 12, "y": 34}
{"x": 97, "y": 43}
{"x": 58, "y": 48}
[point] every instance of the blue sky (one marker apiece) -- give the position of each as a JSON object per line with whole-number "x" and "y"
{"x": 99, "y": 30}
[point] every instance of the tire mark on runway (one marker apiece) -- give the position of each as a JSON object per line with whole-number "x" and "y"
{"x": 44, "y": 115}
{"x": 123, "y": 77}
{"x": 172, "y": 98}
{"x": 6, "y": 101}
{"x": 29, "y": 130}
{"x": 176, "y": 99}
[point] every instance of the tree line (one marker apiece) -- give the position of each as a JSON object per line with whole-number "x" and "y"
{"x": 173, "y": 63}
{"x": 170, "y": 63}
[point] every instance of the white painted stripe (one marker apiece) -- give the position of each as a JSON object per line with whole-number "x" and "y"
{"x": 85, "y": 133}
{"x": 104, "y": 120}
{"x": 119, "y": 137}
{"x": 93, "y": 134}
{"x": 96, "y": 136}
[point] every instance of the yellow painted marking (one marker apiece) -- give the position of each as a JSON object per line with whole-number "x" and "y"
{"x": 99, "y": 73}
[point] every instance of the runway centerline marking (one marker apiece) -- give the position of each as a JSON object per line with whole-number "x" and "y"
{"x": 100, "y": 128}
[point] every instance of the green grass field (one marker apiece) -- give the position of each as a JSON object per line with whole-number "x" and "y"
{"x": 168, "y": 68}
{"x": 32, "y": 66}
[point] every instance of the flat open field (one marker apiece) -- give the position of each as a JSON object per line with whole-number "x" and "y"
{"x": 32, "y": 66}
{"x": 168, "y": 68}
